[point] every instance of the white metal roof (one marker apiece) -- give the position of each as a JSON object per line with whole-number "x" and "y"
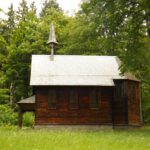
{"x": 74, "y": 70}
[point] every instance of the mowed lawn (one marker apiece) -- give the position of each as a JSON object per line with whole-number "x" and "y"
{"x": 12, "y": 138}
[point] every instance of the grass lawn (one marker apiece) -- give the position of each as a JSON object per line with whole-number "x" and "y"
{"x": 12, "y": 138}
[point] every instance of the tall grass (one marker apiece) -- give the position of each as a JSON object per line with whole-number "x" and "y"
{"x": 29, "y": 139}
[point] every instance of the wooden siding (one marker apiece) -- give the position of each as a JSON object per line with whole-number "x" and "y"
{"x": 126, "y": 103}
{"x": 120, "y": 112}
{"x": 83, "y": 114}
{"x": 134, "y": 112}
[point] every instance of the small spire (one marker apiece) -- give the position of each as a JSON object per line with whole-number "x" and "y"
{"x": 52, "y": 37}
{"x": 52, "y": 40}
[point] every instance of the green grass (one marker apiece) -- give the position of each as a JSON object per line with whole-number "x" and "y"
{"x": 11, "y": 138}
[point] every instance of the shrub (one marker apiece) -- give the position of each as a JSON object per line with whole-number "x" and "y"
{"x": 4, "y": 96}
{"x": 28, "y": 119}
{"x": 7, "y": 115}
{"x": 146, "y": 103}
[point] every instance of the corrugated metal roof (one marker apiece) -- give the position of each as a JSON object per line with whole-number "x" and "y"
{"x": 74, "y": 70}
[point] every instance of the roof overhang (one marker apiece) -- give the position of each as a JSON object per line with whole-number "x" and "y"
{"x": 72, "y": 81}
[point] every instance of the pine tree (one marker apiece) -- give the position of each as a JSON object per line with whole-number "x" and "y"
{"x": 22, "y": 11}
{"x": 33, "y": 7}
{"x": 4, "y": 88}
{"x": 47, "y": 5}
{"x": 10, "y": 22}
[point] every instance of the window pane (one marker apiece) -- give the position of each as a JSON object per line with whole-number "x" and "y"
{"x": 73, "y": 99}
{"x": 52, "y": 99}
{"x": 94, "y": 98}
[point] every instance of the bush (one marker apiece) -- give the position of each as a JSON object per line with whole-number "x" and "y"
{"x": 4, "y": 96}
{"x": 7, "y": 115}
{"x": 28, "y": 119}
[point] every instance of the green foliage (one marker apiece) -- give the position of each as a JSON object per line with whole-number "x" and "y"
{"x": 82, "y": 37}
{"x": 10, "y": 23}
{"x": 4, "y": 90}
{"x": 22, "y": 11}
{"x": 7, "y": 115}
{"x": 28, "y": 119}
{"x": 47, "y": 5}
{"x": 4, "y": 96}
{"x": 146, "y": 103}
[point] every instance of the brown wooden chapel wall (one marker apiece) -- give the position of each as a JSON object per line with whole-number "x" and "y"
{"x": 134, "y": 98}
{"x": 120, "y": 104}
{"x": 126, "y": 104}
{"x": 82, "y": 115}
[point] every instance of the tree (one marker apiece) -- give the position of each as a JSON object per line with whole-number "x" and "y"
{"x": 22, "y": 11}
{"x": 82, "y": 37}
{"x": 19, "y": 53}
{"x": 4, "y": 92}
{"x": 10, "y": 22}
{"x": 48, "y": 4}
{"x": 33, "y": 7}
